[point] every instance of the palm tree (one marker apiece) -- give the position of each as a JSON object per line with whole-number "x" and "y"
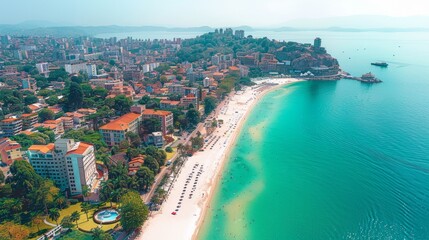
{"x": 97, "y": 232}
{"x": 181, "y": 149}
{"x": 54, "y": 214}
{"x": 85, "y": 191}
{"x": 60, "y": 201}
{"x": 85, "y": 208}
{"x": 74, "y": 217}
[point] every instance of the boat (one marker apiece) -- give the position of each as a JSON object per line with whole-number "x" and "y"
{"x": 380, "y": 64}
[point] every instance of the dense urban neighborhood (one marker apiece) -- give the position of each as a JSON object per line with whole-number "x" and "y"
{"x": 94, "y": 130}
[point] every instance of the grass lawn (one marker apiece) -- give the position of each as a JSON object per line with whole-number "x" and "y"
{"x": 170, "y": 155}
{"x": 34, "y": 230}
{"x": 83, "y": 223}
{"x": 75, "y": 234}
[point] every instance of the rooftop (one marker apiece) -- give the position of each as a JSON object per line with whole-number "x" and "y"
{"x": 121, "y": 123}
{"x": 42, "y": 148}
{"x": 156, "y": 112}
{"x": 81, "y": 149}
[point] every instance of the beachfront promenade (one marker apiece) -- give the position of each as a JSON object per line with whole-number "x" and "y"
{"x": 180, "y": 215}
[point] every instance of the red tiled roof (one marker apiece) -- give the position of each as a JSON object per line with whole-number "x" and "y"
{"x": 121, "y": 123}
{"x": 42, "y": 148}
{"x": 156, "y": 112}
{"x": 81, "y": 149}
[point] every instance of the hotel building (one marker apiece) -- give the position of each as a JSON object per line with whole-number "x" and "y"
{"x": 70, "y": 164}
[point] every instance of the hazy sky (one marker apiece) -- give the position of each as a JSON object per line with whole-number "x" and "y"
{"x": 189, "y": 13}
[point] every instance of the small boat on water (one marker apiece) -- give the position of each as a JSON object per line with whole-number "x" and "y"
{"x": 380, "y": 64}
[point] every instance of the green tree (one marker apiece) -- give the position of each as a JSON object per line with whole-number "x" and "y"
{"x": 54, "y": 214}
{"x": 122, "y": 104}
{"x": 193, "y": 116}
{"x": 46, "y": 114}
{"x": 151, "y": 125}
{"x": 38, "y": 220}
{"x": 134, "y": 212}
{"x": 151, "y": 163}
{"x": 10, "y": 230}
{"x": 134, "y": 139}
{"x": 74, "y": 97}
{"x": 144, "y": 100}
{"x": 99, "y": 234}
{"x": 100, "y": 92}
{"x": 58, "y": 75}
{"x": 85, "y": 208}
{"x": 77, "y": 79}
{"x": 30, "y": 99}
{"x": 87, "y": 90}
{"x": 52, "y": 100}
{"x": 145, "y": 178}
{"x": 2, "y": 177}
{"x": 74, "y": 217}
{"x": 24, "y": 179}
{"x": 209, "y": 104}
{"x": 66, "y": 222}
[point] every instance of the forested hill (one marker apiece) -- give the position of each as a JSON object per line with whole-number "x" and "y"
{"x": 209, "y": 44}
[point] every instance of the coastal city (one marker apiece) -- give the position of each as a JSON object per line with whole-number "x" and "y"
{"x": 214, "y": 120}
{"x": 98, "y": 134}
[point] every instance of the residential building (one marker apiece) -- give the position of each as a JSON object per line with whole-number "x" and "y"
{"x": 206, "y": 82}
{"x": 71, "y": 165}
{"x": 10, "y": 127}
{"x": 165, "y": 117}
{"x": 239, "y": 33}
{"x": 10, "y": 151}
{"x": 156, "y": 139}
{"x": 90, "y": 69}
{"x": 188, "y": 101}
{"x": 135, "y": 164}
{"x": 67, "y": 123}
{"x": 168, "y": 104}
{"x": 43, "y": 68}
{"x": 114, "y": 132}
{"x": 317, "y": 43}
{"x": 29, "y": 120}
{"x": 29, "y": 84}
{"x": 58, "y": 123}
{"x": 176, "y": 89}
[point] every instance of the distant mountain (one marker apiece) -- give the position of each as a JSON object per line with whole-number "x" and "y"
{"x": 361, "y": 22}
{"x": 333, "y": 24}
{"x": 25, "y": 29}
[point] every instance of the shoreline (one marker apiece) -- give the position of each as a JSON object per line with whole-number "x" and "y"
{"x": 236, "y": 112}
{"x": 224, "y": 161}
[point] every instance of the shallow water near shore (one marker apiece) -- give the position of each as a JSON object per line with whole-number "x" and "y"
{"x": 334, "y": 160}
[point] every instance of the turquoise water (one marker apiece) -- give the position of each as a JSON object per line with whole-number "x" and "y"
{"x": 335, "y": 160}
{"x": 107, "y": 215}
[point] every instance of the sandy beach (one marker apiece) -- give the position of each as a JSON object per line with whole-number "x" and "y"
{"x": 194, "y": 187}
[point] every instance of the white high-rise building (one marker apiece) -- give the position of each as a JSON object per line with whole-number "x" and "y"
{"x": 206, "y": 82}
{"x": 91, "y": 70}
{"x": 42, "y": 68}
{"x": 70, "y": 164}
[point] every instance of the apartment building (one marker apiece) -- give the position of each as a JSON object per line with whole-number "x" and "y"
{"x": 70, "y": 164}
{"x": 165, "y": 117}
{"x": 10, "y": 127}
{"x": 114, "y": 132}
{"x": 10, "y": 151}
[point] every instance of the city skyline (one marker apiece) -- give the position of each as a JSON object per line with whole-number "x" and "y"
{"x": 267, "y": 13}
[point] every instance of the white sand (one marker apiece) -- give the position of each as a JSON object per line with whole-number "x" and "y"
{"x": 206, "y": 166}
